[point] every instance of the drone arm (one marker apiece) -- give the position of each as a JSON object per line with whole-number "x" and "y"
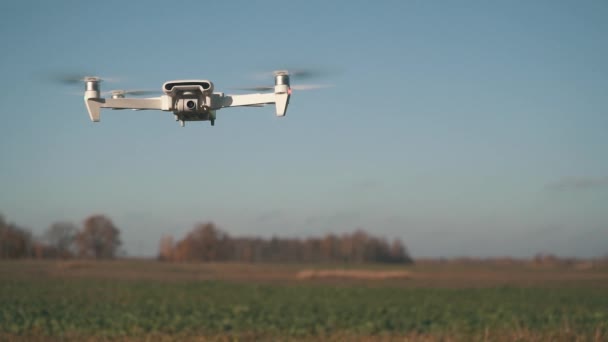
{"x": 280, "y": 99}
{"x": 94, "y": 105}
{"x": 247, "y": 100}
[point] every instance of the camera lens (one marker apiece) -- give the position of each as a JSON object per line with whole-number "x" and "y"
{"x": 190, "y": 104}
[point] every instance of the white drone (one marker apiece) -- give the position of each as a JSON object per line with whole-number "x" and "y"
{"x": 189, "y": 100}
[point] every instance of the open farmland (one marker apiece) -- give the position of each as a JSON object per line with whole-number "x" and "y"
{"x": 146, "y": 300}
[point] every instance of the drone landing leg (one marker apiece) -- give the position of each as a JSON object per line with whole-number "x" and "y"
{"x": 182, "y": 123}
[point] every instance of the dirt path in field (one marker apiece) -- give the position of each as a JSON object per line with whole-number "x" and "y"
{"x": 352, "y": 274}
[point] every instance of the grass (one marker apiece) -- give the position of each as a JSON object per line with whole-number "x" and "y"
{"x": 144, "y": 300}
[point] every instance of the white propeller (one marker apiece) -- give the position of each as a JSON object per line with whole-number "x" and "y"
{"x": 294, "y": 75}
{"x": 79, "y": 78}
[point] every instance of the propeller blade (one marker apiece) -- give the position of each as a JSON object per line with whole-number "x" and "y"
{"x": 303, "y": 74}
{"x": 293, "y": 87}
{"x": 299, "y": 74}
{"x": 257, "y": 88}
{"x": 310, "y": 86}
{"x": 73, "y": 78}
{"x": 294, "y": 73}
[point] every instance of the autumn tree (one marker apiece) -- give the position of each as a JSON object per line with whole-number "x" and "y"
{"x": 15, "y": 242}
{"x": 205, "y": 243}
{"x": 166, "y": 248}
{"x": 99, "y": 238}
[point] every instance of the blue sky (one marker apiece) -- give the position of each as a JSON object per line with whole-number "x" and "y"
{"x": 464, "y": 128}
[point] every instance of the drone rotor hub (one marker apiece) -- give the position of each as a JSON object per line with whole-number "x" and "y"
{"x": 91, "y": 84}
{"x": 281, "y": 79}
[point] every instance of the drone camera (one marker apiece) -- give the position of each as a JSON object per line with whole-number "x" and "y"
{"x": 190, "y": 105}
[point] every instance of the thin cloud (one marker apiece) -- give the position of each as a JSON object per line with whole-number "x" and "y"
{"x": 578, "y": 183}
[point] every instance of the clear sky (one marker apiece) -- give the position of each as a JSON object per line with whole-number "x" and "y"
{"x": 465, "y": 128}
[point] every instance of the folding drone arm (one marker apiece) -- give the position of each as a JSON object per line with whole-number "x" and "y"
{"x": 94, "y": 105}
{"x": 280, "y": 99}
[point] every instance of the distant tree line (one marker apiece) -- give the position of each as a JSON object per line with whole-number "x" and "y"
{"x": 208, "y": 243}
{"x": 97, "y": 238}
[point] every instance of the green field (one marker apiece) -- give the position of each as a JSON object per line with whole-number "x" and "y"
{"x": 152, "y": 301}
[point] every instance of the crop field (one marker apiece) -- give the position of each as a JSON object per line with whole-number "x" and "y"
{"x": 147, "y": 300}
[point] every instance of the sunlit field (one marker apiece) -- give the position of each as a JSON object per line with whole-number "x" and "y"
{"x": 149, "y": 300}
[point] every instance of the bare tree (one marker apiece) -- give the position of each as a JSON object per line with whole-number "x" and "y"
{"x": 99, "y": 238}
{"x": 61, "y": 237}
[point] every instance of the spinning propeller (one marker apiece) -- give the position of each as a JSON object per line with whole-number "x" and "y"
{"x": 81, "y": 78}
{"x": 294, "y": 75}
{"x": 78, "y": 78}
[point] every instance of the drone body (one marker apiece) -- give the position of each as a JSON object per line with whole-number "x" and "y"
{"x": 189, "y": 100}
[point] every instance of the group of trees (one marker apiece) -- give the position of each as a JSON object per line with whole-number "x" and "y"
{"x": 208, "y": 243}
{"x": 97, "y": 238}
